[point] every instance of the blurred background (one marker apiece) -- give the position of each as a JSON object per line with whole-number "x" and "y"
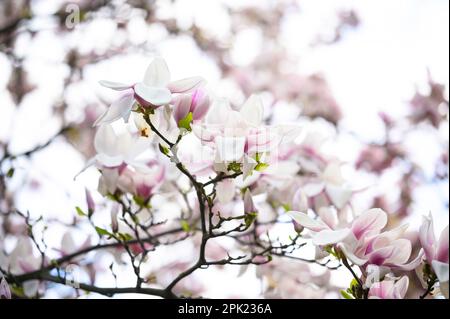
{"x": 373, "y": 73}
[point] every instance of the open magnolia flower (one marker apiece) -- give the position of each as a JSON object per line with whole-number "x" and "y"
{"x": 116, "y": 149}
{"x": 436, "y": 252}
{"x": 389, "y": 288}
{"x": 154, "y": 91}
{"x": 362, "y": 241}
{"x": 239, "y": 137}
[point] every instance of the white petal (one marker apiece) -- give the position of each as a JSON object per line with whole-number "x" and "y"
{"x": 219, "y": 111}
{"x": 225, "y": 190}
{"x": 105, "y": 139}
{"x": 328, "y": 236}
{"x": 118, "y": 109}
{"x": 307, "y": 222}
{"x": 253, "y": 110}
{"x": 30, "y": 288}
{"x": 339, "y": 195}
{"x": 441, "y": 270}
{"x": 401, "y": 287}
{"x": 157, "y": 73}
{"x": 248, "y": 166}
{"x": 401, "y": 253}
{"x": 372, "y": 220}
{"x": 115, "y": 85}
{"x": 154, "y": 95}
{"x": 185, "y": 85}
{"x": 230, "y": 149}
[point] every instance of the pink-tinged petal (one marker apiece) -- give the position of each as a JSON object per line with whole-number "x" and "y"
{"x": 157, "y": 74}
{"x": 253, "y": 110}
{"x": 382, "y": 290}
{"x": 200, "y": 104}
{"x": 109, "y": 161}
{"x": 230, "y": 148}
{"x": 118, "y": 109}
{"x": 339, "y": 195}
{"x": 219, "y": 112}
{"x": 427, "y": 238}
{"x": 401, "y": 253}
{"x": 300, "y": 201}
{"x": 5, "y": 292}
{"x": 313, "y": 189}
{"x": 412, "y": 264}
{"x": 442, "y": 247}
{"x": 115, "y": 85}
{"x": 329, "y": 216}
{"x": 379, "y": 256}
{"x": 249, "y": 206}
{"x": 156, "y": 96}
{"x": 329, "y": 237}
{"x": 401, "y": 287}
{"x": 370, "y": 221}
{"x": 225, "y": 191}
{"x": 181, "y": 105}
{"x": 307, "y": 222}
{"x": 89, "y": 201}
{"x": 186, "y": 85}
{"x": 352, "y": 257}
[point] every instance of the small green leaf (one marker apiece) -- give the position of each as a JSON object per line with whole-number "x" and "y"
{"x": 235, "y": 167}
{"x": 125, "y": 236}
{"x": 250, "y": 218}
{"x": 346, "y": 295}
{"x": 185, "y": 226}
{"x": 258, "y": 157}
{"x": 80, "y": 212}
{"x": 186, "y": 122}
{"x": 261, "y": 167}
{"x": 163, "y": 149}
{"x": 10, "y": 172}
{"x": 103, "y": 232}
{"x": 286, "y": 207}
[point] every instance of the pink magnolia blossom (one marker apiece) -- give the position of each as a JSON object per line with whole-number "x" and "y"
{"x": 362, "y": 241}
{"x": 436, "y": 252}
{"x": 197, "y": 103}
{"x": 5, "y": 292}
{"x": 389, "y": 289}
{"x": 154, "y": 91}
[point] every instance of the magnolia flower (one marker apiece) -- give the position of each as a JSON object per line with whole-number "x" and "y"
{"x": 240, "y": 136}
{"x": 139, "y": 180}
{"x": 389, "y": 289}
{"x": 115, "y": 149}
{"x": 436, "y": 252}
{"x": 332, "y": 183}
{"x": 196, "y": 103}
{"x": 249, "y": 206}
{"x": 362, "y": 241}
{"x": 155, "y": 90}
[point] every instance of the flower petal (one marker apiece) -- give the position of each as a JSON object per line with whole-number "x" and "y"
{"x": 153, "y": 95}
{"x": 114, "y": 85}
{"x": 253, "y": 110}
{"x": 157, "y": 73}
{"x": 118, "y": 109}
{"x": 307, "y": 222}
{"x": 328, "y": 236}
{"x": 442, "y": 247}
{"x": 230, "y": 148}
{"x": 372, "y": 220}
{"x": 186, "y": 85}
{"x": 181, "y": 105}
{"x": 225, "y": 190}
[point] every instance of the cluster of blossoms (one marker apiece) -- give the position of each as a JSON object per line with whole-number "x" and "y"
{"x": 235, "y": 142}
{"x": 164, "y": 143}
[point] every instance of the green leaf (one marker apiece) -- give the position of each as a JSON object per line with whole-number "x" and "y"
{"x": 125, "y": 236}
{"x": 185, "y": 226}
{"x": 261, "y": 167}
{"x": 346, "y": 295}
{"x": 186, "y": 122}
{"x": 250, "y": 218}
{"x": 80, "y": 212}
{"x": 10, "y": 172}
{"x": 163, "y": 149}
{"x": 141, "y": 202}
{"x": 258, "y": 157}
{"x": 235, "y": 167}
{"x": 103, "y": 232}
{"x": 286, "y": 207}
